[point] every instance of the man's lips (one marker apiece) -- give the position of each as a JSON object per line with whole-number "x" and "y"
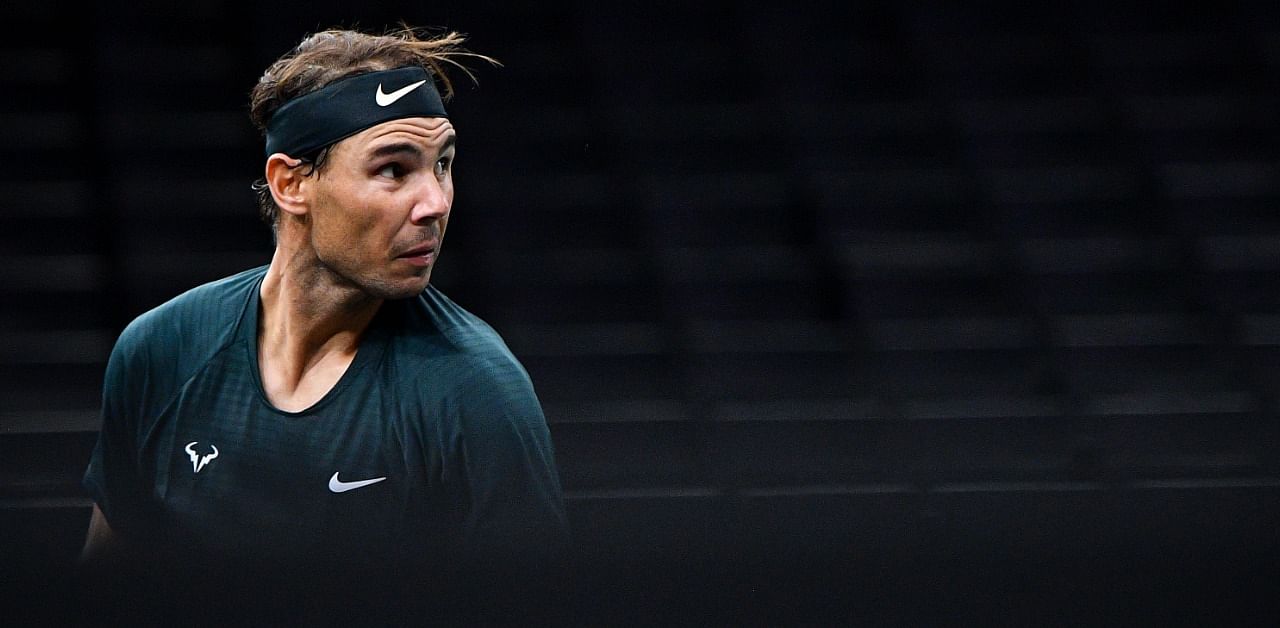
{"x": 421, "y": 256}
{"x": 421, "y": 250}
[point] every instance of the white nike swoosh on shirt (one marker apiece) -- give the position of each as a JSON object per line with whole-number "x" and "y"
{"x": 386, "y": 99}
{"x": 338, "y": 486}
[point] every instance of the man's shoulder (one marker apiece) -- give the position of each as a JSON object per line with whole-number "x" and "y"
{"x": 474, "y": 350}
{"x": 466, "y": 332}
{"x": 485, "y": 388}
{"x": 203, "y": 314}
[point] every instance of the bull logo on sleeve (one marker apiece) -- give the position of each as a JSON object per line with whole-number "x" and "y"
{"x": 198, "y": 461}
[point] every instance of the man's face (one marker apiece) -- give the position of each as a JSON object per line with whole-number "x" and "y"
{"x": 380, "y": 208}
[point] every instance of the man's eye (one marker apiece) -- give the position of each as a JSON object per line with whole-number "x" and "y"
{"x": 392, "y": 171}
{"x": 442, "y": 166}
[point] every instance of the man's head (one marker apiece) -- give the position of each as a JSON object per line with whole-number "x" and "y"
{"x": 359, "y": 154}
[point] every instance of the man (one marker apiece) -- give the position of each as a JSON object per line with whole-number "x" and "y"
{"x": 331, "y": 413}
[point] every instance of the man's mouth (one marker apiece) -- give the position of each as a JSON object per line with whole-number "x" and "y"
{"x": 420, "y": 255}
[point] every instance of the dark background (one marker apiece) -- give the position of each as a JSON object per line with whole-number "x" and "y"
{"x": 887, "y": 312}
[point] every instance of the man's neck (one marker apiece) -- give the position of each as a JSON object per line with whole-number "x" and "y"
{"x": 310, "y": 328}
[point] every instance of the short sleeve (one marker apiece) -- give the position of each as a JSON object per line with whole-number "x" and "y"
{"x": 112, "y": 479}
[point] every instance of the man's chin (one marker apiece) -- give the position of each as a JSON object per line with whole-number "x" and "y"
{"x": 394, "y": 290}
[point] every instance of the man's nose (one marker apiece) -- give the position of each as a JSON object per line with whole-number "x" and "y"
{"x": 432, "y": 201}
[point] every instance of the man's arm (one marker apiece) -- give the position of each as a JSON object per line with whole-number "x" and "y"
{"x": 100, "y": 543}
{"x": 514, "y": 506}
{"x": 111, "y": 480}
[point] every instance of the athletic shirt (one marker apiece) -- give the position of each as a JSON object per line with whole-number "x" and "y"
{"x": 431, "y": 446}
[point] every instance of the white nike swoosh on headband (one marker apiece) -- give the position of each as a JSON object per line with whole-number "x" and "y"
{"x": 386, "y": 99}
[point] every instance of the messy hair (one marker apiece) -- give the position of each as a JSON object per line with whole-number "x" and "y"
{"x": 330, "y": 55}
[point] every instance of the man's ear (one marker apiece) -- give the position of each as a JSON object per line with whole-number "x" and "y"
{"x": 284, "y": 177}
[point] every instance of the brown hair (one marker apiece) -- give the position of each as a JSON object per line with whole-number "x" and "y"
{"x": 327, "y": 56}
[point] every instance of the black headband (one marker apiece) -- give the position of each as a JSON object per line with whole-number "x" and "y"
{"x": 350, "y": 105}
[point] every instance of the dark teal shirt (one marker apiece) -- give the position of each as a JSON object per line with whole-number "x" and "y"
{"x": 432, "y": 445}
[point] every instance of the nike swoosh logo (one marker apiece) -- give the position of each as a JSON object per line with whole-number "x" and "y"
{"x": 386, "y": 99}
{"x": 338, "y": 486}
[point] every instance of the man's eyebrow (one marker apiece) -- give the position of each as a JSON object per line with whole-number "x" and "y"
{"x": 398, "y": 148}
{"x": 412, "y": 150}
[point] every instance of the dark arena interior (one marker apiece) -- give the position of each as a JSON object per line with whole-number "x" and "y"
{"x": 873, "y": 313}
